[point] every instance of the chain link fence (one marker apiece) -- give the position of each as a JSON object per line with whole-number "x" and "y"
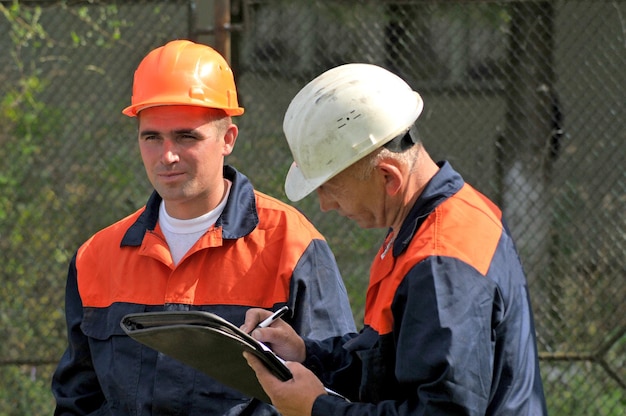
{"x": 526, "y": 99}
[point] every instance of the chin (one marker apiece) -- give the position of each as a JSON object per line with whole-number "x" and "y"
{"x": 367, "y": 224}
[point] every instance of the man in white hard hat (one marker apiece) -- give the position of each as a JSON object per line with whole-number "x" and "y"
{"x": 448, "y": 325}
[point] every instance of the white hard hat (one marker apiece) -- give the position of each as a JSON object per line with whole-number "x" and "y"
{"x": 341, "y": 116}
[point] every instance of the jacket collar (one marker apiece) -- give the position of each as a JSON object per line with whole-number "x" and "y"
{"x": 442, "y": 186}
{"x": 238, "y": 219}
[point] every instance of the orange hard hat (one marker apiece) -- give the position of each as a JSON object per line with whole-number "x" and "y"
{"x": 184, "y": 73}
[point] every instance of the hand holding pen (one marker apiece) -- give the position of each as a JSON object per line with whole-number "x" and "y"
{"x": 282, "y": 338}
{"x": 273, "y": 317}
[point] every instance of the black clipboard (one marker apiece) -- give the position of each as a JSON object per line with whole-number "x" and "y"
{"x": 208, "y": 343}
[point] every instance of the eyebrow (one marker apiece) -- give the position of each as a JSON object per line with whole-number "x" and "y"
{"x": 175, "y": 132}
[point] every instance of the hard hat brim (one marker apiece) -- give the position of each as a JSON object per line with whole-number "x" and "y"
{"x": 133, "y": 110}
{"x": 297, "y": 186}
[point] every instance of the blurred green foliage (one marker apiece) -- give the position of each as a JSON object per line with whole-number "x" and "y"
{"x": 32, "y": 187}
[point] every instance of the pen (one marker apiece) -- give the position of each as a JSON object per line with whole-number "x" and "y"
{"x": 267, "y": 322}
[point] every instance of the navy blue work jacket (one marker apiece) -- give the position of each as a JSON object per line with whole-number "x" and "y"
{"x": 260, "y": 253}
{"x": 448, "y": 322}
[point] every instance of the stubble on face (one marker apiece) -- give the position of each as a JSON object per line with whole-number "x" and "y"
{"x": 183, "y": 152}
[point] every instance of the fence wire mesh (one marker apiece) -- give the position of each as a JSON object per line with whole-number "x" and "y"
{"x": 526, "y": 99}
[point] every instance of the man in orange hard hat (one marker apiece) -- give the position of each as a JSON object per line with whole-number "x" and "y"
{"x": 448, "y": 327}
{"x": 205, "y": 240}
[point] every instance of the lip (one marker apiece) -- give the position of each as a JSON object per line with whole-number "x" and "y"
{"x": 169, "y": 176}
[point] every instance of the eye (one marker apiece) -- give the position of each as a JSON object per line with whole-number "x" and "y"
{"x": 187, "y": 136}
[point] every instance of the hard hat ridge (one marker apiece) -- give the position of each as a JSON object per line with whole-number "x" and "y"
{"x": 340, "y": 117}
{"x": 182, "y": 72}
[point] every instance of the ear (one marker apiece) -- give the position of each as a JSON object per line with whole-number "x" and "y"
{"x": 392, "y": 176}
{"x": 230, "y": 137}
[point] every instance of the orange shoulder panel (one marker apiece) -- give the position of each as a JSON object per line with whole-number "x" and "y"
{"x": 254, "y": 270}
{"x": 467, "y": 227}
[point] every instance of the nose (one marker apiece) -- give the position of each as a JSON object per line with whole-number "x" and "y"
{"x": 326, "y": 202}
{"x": 170, "y": 153}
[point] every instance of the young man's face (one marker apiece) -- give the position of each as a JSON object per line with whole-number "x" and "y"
{"x": 183, "y": 150}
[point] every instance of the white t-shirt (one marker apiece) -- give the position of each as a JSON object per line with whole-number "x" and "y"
{"x": 181, "y": 235}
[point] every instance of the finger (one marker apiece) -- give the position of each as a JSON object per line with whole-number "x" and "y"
{"x": 253, "y": 317}
{"x": 262, "y": 373}
{"x": 251, "y": 360}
